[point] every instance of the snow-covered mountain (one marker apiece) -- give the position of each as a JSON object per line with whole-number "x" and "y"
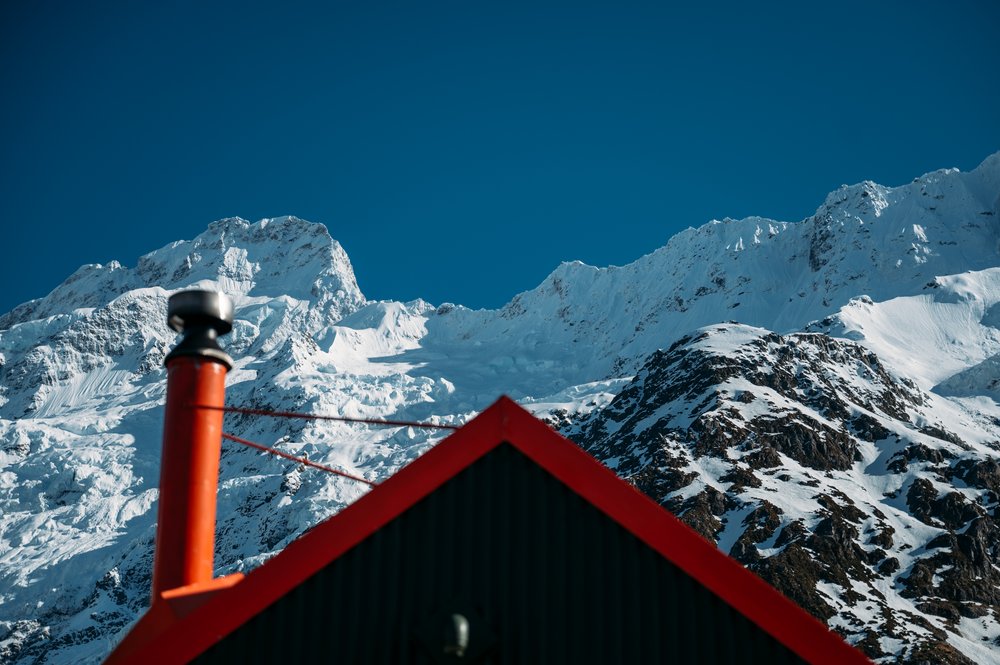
{"x": 819, "y": 398}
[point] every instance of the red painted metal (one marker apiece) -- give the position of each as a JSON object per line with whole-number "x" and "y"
{"x": 189, "y": 474}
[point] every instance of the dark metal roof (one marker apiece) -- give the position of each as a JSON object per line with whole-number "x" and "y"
{"x": 545, "y": 575}
{"x": 548, "y": 554}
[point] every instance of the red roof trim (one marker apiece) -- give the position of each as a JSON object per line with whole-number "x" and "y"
{"x": 505, "y": 421}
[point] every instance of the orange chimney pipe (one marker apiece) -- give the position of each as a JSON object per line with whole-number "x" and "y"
{"x": 192, "y": 440}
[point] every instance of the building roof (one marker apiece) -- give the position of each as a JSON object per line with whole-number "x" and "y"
{"x": 182, "y": 629}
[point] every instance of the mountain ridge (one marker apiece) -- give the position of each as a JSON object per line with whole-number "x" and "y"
{"x": 908, "y": 275}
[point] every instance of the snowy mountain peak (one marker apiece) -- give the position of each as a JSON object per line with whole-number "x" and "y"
{"x": 825, "y": 409}
{"x": 865, "y": 200}
{"x": 283, "y": 256}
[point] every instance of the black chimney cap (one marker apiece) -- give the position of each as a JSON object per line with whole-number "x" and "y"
{"x": 190, "y": 309}
{"x": 201, "y": 316}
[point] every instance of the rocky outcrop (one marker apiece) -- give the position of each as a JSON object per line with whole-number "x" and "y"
{"x": 771, "y": 446}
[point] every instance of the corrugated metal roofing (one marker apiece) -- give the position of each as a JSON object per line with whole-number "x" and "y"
{"x": 542, "y": 575}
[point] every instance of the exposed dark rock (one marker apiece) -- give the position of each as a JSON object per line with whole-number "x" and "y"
{"x": 836, "y": 503}
{"x": 869, "y": 645}
{"x": 920, "y": 581}
{"x": 795, "y": 573}
{"x": 760, "y": 526}
{"x": 713, "y": 435}
{"x": 920, "y": 500}
{"x": 819, "y": 244}
{"x": 764, "y": 457}
{"x": 835, "y": 543}
{"x": 869, "y": 429}
{"x": 792, "y": 532}
{"x": 663, "y": 476}
{"x": 935, "y": 653}
{"x": 973, "y": 610}
{"x": 982, "y": 473}
{"x": 938, "y": 433}
{"x": 954, "y": 510}
{"x": 741, "y": 477}
{"x": 888, "y": 566}
{"x": 812, "y": 444}
{"x": 685, "y": 403}
{"x": 703, "y": 511}
{"x": 917, "y": 452}
{"x": 951, "y": 511}
{"x": 940, "y": 609}
{"x": 961, "y": 577}
{"x": 883, "y": 537}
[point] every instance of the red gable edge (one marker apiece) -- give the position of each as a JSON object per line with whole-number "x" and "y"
{"x": 156, "y": 640}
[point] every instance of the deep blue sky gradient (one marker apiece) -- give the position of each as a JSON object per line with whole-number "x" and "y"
{"x": 460, "y": 151}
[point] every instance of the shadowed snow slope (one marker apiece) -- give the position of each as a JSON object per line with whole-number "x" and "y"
{"x": 838, "y": 435}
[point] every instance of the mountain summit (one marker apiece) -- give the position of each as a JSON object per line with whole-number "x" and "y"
{"x": 818, "y": 398}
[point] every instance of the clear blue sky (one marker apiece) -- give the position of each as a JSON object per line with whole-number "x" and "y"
{"x": 460, "y": 151}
